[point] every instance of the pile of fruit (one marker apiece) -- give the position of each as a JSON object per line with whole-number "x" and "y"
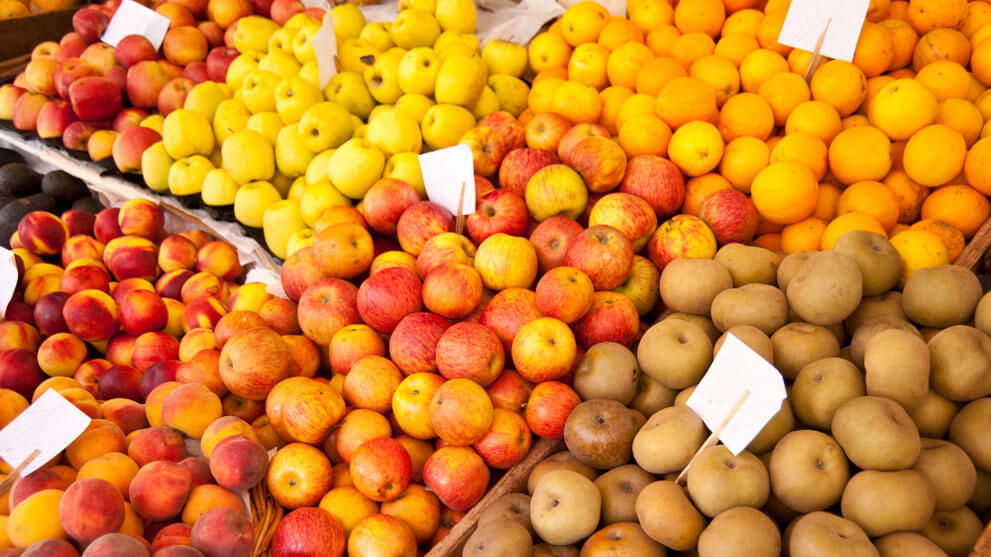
{"x": 10, "y": 9}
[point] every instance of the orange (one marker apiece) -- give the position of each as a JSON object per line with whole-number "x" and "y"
{"x": 829, "y": 195}
{"x": 903, "y": 107}
{"x": 983, "y": 103}
{"x": 962, "y": 116}
{"x": 870, "y": 198}
{"x": 840, "y": 84}
{"x": 898, "y": 155}
{"x": 874, "y": 86}
{"x": 619, "y": 31}
{"x": 909, "y": 195}
{"x": 703, "y": 16}
{"x": 769, "y": 240}
{"x": 878, "y": 10}
{"x": 645, "y": 134}
{"x": 846, "y": 223}
{"x": 948, "y": 80}
{"x": 588, "y": 65}
{"x": 898, "y": 9}
{"x": 941, "y": 44}
{"x": 784, "y": 192}
{"x": 548, "y": 50}
{"x": 746, "y": 114}
{"x": 903, "y": 73}
{"x": 685, "y": 99}
{"x": 769, "y": 29}
{"x": 656, "y": 73}
{"x": 860, "y": 153}
{"x": 719, "y": 73}
{"x": 934, "y": 155}
{"x": 784, "y": 91}
{"x": 978, "y": 37}
{"x": 774, "y": 5}
{"x": 736, "y": 46}
{"x": 743, "y": 158}
{"x": 962, "y": 206}
{"x": 799, "y": 60}
{"x": 661, "y": 40}
{"x": 804, "y": 235}
{"x": 855, "y": 120}
{"x": 903, "y": 40}
{"x": 978, "y": 15}
{"x": 743, "y": 21}
{"x": 625, "y": 62}
{"x": 760, "y": 65}
{"x": 577, "y": 102}
{"x": 805, "y": 149}
{"x": 10, "y": 9}
{"x": 976, "y": 89}
{"x": 952, "y": 238}
{"x": 977, "y": 166}
{"x": 919, "y": 249}
{"x": 875, "y": 49}
{"x": 816, "y": 118}
{"x": 612, "y": 101}
{"x": 559, "y": 72}
{"x": 736, "y": 5}
{"x": 648, "y": 15}
{"x": 696, "y": 148}
{"x": 541, "y": 97}
{"x": 926, "y": 15}
{"x": 980, "y": 62}
{"x": 582, "y": 22}
{"x": 633, "y": 106}
{"x": 691, "y": 46}
{"x": 699, "y": 188}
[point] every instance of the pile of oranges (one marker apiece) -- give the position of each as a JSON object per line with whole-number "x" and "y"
{"x": 893, "y": 142}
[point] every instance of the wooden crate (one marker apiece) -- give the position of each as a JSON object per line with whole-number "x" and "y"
{"x": 21, "y": 35}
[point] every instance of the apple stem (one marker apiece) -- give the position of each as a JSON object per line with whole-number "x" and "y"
{"x": 714, "y": 436}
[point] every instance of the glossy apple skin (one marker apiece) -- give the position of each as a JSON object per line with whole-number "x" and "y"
{"x": 95, "y": 98}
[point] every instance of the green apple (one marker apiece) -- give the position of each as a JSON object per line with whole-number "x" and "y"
{"x": 457, "y": 15}
{"x": 245, "y": 63}
{"x": 355, "y": 55}
{"x": 512, "y": 93}
{"x": 324, "y": 126}
{"x": 186, "y": 132}
{"x": 317, "y": 169}
{"x": 297, "y": 189}
{"x": 294, "y": 96}
{"x": 348, "y": 21}
{"x": 414, "y": 104}
{"x": 310, "y": 72}
{"x": 291, "y": 155}
{"x": 406, "y": 167}
{"x": 302, "y": 43}
{"x": 393, "y": 131}
{"x": 155, "y": 165}
{"x": 258, "y": 91}
{"x": 252, "y": 200}
{"x": 219, "y": 188}
{"x": 317, "y": 197}
{"x": 349, "y": 90}
{"x": 280, "y": 221}
{"x": 487, "y": 103}
{"x": 301, "y": 239}
{"x": 444, "y": 124}
{"x": 382, "y": 79}
{"x": 378, "y": 34}
{"x": 282, "y": 40}
{"x": 231, "y": 117}
{"x": 504, "y": 57}
{"x": 355, "y": 166}
{"x": 248, "y": 157}
{"x": 267, "y": 124}
{"x": 253, "y": 32}
{"x": 413, "y": 28}
{"x": 186, "y": 175}
{"x": 205, "y": 97}
{"x": 418, "y": 71}
{"x": 461, "y": 80}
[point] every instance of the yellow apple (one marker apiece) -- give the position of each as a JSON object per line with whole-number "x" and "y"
{"x": 418, "y": 71}
{"x": 512, "y": 92}
{"x": 219, "y": 188}
{"x": 325, "y": 125}
{"x": 240, "y": 67}
{"x": 291, "y": 155}
{"x": 282, "y": 183}
{"x": 406, "y": 167}
{"x": 444, "y": 124}
{"x": 280, "y": 221}
{"x": 154, "y": 121}
{"x": 394, "y": 131}
{"x": 186, "y": 175}
{"x": 355, "y": 55}
{"x": 378, "y": 34}
{"x": 281, "y": 63}
{"x": 186, "y": 133}
{"x": 379, "y": 109}
{"x": 413, "y": 28}
{"x": 503, "y": 57}
{"x": 457, "y": 15}
{"x": 293, "y": 96}
{"x": 317, "y": 169}
{"x": 258, "y": 91}
{"x": 301, "y": 239}
{"x": 253, "y": 32}
{"x": 302, "y": 43}
{"x": 300, "y": 20}
{"x": 252, "y": 200}
{"x": 267, "y": 124}
{"x": 348, "y": 21}
{"x": 414, "y": 104}
{"x": 317, "y": 197}
{"x": 487, "y": 103}
{"x": 425, "y": 5}
{"x": 155, "y": 165}
{"x": 282, "y": 40}
{"x": 248, "y": 157}
{"x": 205, "y": 97}
{"x": 461, "y": 80}
{"x": 355, "y": 166}
{"x": 230, "y": 117}
{"x": 349, "y": 90}
{"x": 454, "y": 37}
{"x": 382, "y": 79}
{"x": 454, "y": 49}
{"x": 506, "y": 261}
{"x": 297, "y": 189}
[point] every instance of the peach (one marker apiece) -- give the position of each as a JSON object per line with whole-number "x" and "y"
{"x": 17, "y": 334}
{"x": 190, "y": 408}
{"x": 179, "y": 551}
{"x": 202, "y": 312}
{"x": 194, "y": 341}
{"x": 203, "y": 369}
{"x": 206, "y": 497}
{"x": 36, "y": 481}
{"x": 120, "y": 349}
{"x": 154, "y": 400}
{"x": 99, "y": 438}
{"x": 89, "y": 373}
{"x": 50, "y": 548}
{"x": 126, "y": 286}
{"x": 116, "y": 468}
{"x": 91, "y": 315}
{"x": 174, "y": 534}
{"x": 169, "y": 284}
{"x": 36, "y": 519}
{"x": 199, "y": 468}
{"x": 19, "y": 371}
{"x": 61, "y": 354}
{"x": 159, "y": 490}
{"x": 84, "y": 276}
{"x": 140, "y": 217}
{"x": 238, "y": 463}
{"x": 150, "y": 348}
{"x": 142, "y": 311}
{"x": 40, "y": 286}
{"x": 156, "y": 443}
{"x": 222, "y": 428}
{"x": 279, "y": 314}
{"x": 176, "y": 323}
{"x": 42, "y": 233}
{"x": 81, "y": 247}
{"x": 126, "y": 413}
{"x": 105, "y": 227}
{"x": 158, "y": 373}
{"x": 48, "y": 313}
{"x": 249, "y": 296}
{"x": 121, "y": 381}
{"x": 203, "y": 285}
{"x": 132, "y": 257}
{"x": 90, "y": 508}
{"x": 223, "y": 531}
{"x": 79, "y": 223}
{"x": 220, "y": 259}
{"x": 176, "y": 252}
{"x": 233, "y": 323}
{"x": 117, "y": 545}
{"x": 11, "y": 405}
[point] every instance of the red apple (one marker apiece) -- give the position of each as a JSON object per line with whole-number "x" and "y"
{"x": 385, "y": 202}
{"x": 68, "y": 71}
{"x": 214, "y": 34}
{"x": 552, "y": 239}
{"x": 731, "y": 215}
{"x": 282, "y": 10}
{"x": 387, "y": 296}
{"x": 130, "y": 145}
{"x": 71, "y": 45}
{"x": 144, "y": 82}
{"x": 457, "y": 476}
{"x": 420, "y": 222}
{"x": 519, "y": 165}
{"x": 452, "y": 290}
{"x": 548, "y": 408}
{"x": 509, "y": 391}
{"x": 54, "y": 117}
{"x": 128, "y": 118}
{"x": 100, "y": 56}
{"x": 604, "y": 254}
{"x": 629, "y": 214}
{"x": 656, "y": 180}
{"x": 94, "y": 98}
{"x": 309, "y": 531}
{"x": 472, "y": 351}
{"x": 90, "y": 23}
{"x": 9, "y": 93}
{"x": 173, "y": 94}
{"x": 507, "y": 442}
{"x": 26, "y": 110}
{"x": 133, "y": 49}
{"x": 326, "y": 306}
{"x": 499, "y": 211}
{"x": 413, "y": 343}
{"x": 508, "y": 311}
{"x": 512, "y": 132}
{"x": 613, "y": 318}
{"x": 217, "y": 61}
{"x": 299, "y": 271}
{"x": 196, "y": 72}
{"x": 77, "y": 134}
{"x": 487, "y": 149}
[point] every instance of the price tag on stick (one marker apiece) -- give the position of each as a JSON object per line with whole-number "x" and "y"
{"x": 325, "y": 48}
{"x": 8, "y": 278}
{"x": 836, "y": 24}
{"x": 449, "y": 178}
{"x": 41, "y": 432}
{"x": 131, "y": 18}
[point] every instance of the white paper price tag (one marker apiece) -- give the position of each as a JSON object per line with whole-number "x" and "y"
{"x": 735, "y": 370}
{"x": 8, "y": 278}
{"x": 444, "y": 171}
{"x": 806, "y": 21}
{"x": 325, "y": 47}
{"x": 132, "y": 18}
{"x": 49, "y": 425}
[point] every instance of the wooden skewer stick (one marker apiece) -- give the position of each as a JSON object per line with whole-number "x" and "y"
{"x": 817, "y": 55}
{"x": 8, "y": 482}
{"x": 459, "y": 221}
{"x": 714, "y": 436}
